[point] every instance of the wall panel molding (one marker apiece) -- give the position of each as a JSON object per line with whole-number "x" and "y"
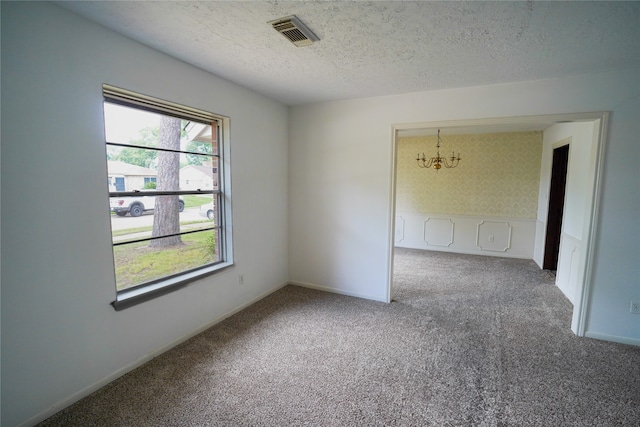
{"x": 569, "y": 268}
{"x": 512, "y": 237}
{"x": 439, "y": 231}
{"x": 493, "y": 236}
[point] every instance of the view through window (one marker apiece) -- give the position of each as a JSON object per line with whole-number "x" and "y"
{"x": 165, "y": 191}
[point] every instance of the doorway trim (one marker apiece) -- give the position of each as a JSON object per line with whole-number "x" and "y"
{"x": 600, "y": 118}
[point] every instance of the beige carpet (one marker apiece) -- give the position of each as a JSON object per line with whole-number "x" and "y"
{"x": 468, "y": 341}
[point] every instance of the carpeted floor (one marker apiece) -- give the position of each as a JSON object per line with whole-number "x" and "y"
{"x": 467, "y": 341}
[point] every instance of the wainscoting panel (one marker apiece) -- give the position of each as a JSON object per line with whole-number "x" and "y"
{"x": 438, "y": 231}
{"x": 538, "y": 248}
{"x": 493, "y": 236}
{"x": 568, "y": 273}
{"x": 507, "y": 237}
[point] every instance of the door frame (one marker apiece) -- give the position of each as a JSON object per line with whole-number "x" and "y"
{"x": 600, "y": 120}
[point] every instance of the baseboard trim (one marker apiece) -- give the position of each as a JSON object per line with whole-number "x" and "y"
{"x": 338, "y": 291}
{"x": 612, "y": 338}
{"x": 468, "y": 252}
{"x": 57, "y": 407}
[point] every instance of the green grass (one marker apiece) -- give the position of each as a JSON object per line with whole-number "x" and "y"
{"x": 195, "y": 201}
{"x": 137, "y": 263}
{"x": 150, "y": 227}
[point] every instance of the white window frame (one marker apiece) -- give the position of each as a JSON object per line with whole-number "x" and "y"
{"x": 137, "y": 294}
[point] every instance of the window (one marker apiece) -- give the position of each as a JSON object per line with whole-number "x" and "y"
{"x": 150, "y": 182}
{"x": 164, "y": 236}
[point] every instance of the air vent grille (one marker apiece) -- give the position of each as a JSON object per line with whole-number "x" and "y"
{"x": 294, "y": 30}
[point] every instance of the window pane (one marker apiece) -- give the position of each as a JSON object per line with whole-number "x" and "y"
{"x": 192, "y": 157}
{"x": 129, "y": 221}
{"x": 202, "y": 138}
{"x": 140, "y": 262}
{"x": 136, "y": 206}
{"x": 137, "y": 170}
{"x": 201, "y": 174}
{"x": 126, "y": 125}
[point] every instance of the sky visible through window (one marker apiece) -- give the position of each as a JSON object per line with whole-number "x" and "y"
{"x": 125, "y": 124}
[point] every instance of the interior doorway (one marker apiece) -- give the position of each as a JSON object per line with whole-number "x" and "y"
{"x": 556, "y": 207}
{"x": 515, "y": 124}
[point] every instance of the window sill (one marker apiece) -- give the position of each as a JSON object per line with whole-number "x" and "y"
{"x": 130, "y": 297}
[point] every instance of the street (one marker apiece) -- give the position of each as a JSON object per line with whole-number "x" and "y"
{"x": 146, "y": 219}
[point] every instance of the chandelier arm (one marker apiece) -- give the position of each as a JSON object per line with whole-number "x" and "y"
{"x": 423, "y": 163}
{"x": 453, "y": 164}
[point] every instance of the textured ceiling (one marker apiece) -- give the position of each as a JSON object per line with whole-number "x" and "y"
{"x": 384, "y": 47}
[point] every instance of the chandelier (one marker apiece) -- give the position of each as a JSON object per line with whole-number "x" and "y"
{"x": 437, "y": 162}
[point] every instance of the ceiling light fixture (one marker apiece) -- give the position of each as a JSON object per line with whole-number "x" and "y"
{"x": 437, "y": 162}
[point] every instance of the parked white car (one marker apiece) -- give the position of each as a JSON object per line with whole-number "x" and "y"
{"x": 135, "y": 206}
{"x": 207, "y": 211}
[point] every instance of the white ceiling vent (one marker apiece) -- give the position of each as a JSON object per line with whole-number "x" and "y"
{"x": 294, "y": 30}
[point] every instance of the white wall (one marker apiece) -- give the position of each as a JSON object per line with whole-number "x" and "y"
{"x": 340, "y": 161}
{"x": 580, "y": 170}
{"x": 60, "y": 336}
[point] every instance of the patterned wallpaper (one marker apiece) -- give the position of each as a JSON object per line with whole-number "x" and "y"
{"x": 498, "y": 175}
